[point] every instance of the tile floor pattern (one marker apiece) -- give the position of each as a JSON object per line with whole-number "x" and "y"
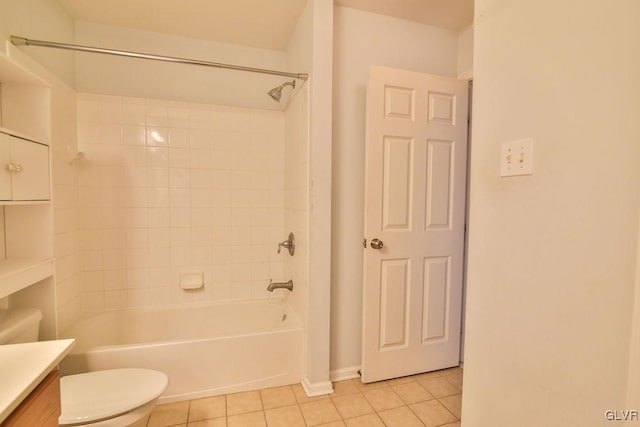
{"x": 431, "y": 399}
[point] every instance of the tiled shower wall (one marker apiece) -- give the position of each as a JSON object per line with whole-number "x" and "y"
{"x": 168, "y": 188}
{"x": 66, "y": 212}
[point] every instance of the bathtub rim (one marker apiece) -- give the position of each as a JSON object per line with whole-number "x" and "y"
{"x": 292, "y": 317}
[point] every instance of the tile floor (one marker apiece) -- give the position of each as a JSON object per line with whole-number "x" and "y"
{"x": 431, "y": 399}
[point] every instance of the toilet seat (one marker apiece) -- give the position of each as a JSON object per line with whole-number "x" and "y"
{"x": 100, "y": 395}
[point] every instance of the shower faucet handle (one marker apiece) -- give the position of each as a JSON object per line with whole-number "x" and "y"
{"x": 289, "y": 244}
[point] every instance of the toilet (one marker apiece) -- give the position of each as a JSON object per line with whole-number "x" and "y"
{"x": 110, "y": 398}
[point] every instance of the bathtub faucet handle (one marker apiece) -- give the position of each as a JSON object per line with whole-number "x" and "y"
{"x": 289, "y": 244}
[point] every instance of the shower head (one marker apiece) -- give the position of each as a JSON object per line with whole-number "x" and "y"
{"x": 276, "y": 92}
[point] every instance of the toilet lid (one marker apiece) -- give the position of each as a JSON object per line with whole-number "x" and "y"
{"x": 94, "y": 396}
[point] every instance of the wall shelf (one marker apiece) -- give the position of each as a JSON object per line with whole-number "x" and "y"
{"x": 17, "y": 274}
{"x": 11, "y": 70}
{"x": 22, "y": 136}
{"x": 24, "y": 96}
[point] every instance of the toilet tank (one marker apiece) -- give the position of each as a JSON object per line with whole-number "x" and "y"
{"x": 18, "y": 325}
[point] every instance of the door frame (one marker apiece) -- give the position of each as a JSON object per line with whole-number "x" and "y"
{"x": 466, "y": 219}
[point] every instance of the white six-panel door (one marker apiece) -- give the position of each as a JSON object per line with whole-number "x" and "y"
{"x": 415, "y": 205}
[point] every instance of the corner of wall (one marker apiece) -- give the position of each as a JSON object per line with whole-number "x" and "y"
{"x": 319, "y": 289}
{"x": 465, "y": 53}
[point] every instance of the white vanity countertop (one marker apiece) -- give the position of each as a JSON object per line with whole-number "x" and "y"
{"x": 24, "y": 366}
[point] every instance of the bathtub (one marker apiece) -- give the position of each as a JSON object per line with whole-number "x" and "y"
{"x": 204, "y": 349}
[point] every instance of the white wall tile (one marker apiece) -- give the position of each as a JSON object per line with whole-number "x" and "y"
{"x": 222, "y": 238}
{"x": 115, "y": 299}
{"x": 178, "y": 136}
{"x": 241, "y": 290}
{"x": 137, "y": 297}
{"x": 200, "y": 138}
{"x": 157, "y": 198}
{"x": 93, "y": 301}
{"x": 113, "y": 238}
{"x": 200, "y": 158}
{"x": 135, "y": 156}
{"x": 109, "y": 133}
{"x": 109, "y": 110}
{"x": 160, "y": 277}
{"x": 201, "y": 178}
{"x": 137, "y": 278}
{"x": 157, "y": 157}
{"x": 133, "y": 134}
{"x": 179, "y": 178}
{"x": 113, "y": 259}
{"x": 170, "y": 187}
{"x": 114, "y": 280}
{"x": 157, "y": 177}
{"x": 137, "y": 238}
{"x": 157, "y": 136}
{"x": 133, "y": 112}
{"x": 180, "y": 217}
{"x": 178, "y": 157}
{"x": 136, "y": 217}
{"x": 180, "y": 197}
{"x": 159, "y": 237}
{"x": 201, "y": 198}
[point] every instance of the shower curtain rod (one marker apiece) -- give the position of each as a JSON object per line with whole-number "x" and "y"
{"x": 21, "y": 41}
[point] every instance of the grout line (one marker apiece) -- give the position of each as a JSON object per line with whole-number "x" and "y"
{"x": 226, "y": 412}
{"x": 189, "y": 411}
{"x": 264, "y": 412}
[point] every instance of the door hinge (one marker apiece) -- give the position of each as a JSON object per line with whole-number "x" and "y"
{"x": 364, "y": 243}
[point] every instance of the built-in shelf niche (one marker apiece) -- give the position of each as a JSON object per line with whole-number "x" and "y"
{"x": 24, "y": 99}
{"x": 26, "y": 226}
{"x": 26, "y": 263}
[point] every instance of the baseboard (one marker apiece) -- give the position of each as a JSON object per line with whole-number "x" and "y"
{"x": 345, "y": 373}
{"x": 316, "y": 389}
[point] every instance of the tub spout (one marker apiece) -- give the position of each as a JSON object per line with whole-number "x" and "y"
{"x": 280, "y": 285}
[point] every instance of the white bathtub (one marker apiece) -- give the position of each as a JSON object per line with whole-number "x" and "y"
{"x": 205, "y": 349}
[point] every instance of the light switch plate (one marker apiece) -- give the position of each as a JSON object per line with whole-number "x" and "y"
{"x": 516, "y": 157}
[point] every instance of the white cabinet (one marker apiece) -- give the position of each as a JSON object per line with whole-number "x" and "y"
{"x": 24, "y": 169}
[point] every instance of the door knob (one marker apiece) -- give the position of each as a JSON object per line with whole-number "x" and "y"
{"x": 376, "y": 244}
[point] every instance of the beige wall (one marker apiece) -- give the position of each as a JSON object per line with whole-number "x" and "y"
{"x": 465, "y": 53}
{"x": 552, "y": 256}
{"x": 362, "y": 39}
{"x": 112, "y": 75}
